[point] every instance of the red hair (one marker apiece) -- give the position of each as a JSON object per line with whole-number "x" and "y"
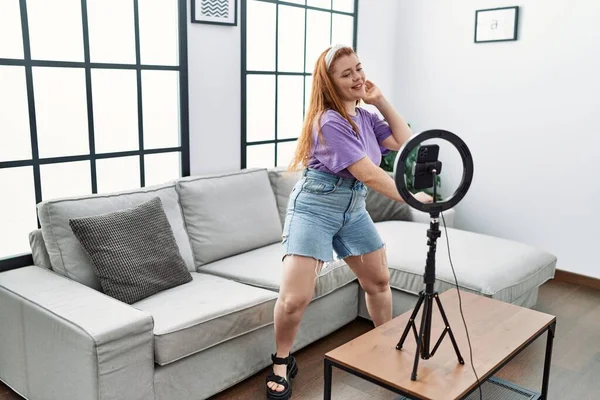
{"x": 324, "y": 95}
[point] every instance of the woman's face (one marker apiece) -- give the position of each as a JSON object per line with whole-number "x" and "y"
{"x": 348, "y": 77}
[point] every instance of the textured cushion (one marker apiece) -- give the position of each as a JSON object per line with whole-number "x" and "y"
{"x": 262, "y": 268}
{"x": 282, "y": 182}
{"x": 229, "y": 214}
{"x": 67, "y": 255}
{"x": 207, "y": 311}
{"x": 133, "y": 251}
{"x": 491, "y": 266}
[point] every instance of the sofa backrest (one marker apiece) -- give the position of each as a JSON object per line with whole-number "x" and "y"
{"x": 38, "y": 249}
{"x": 379, "y": 206}
{"x": 212, "y": 217}
{"x": 229, "y": 214}
{"x": 66, "y": 254}
{"x": 382, "y": 208}
{"x": 282, "y": 183}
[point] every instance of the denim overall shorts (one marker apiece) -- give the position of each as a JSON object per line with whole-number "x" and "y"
{"x": 327, "y": 217}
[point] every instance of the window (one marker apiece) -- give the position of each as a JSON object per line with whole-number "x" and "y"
{"x": 94, "y": 99}
{"x": 281, "y": 41}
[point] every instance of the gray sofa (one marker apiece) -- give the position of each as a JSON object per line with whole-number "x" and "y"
{"x": 62, "y": 338}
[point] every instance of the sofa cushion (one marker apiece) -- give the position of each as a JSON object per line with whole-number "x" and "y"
{"x": 229, "y": 214}
{"x": 282, "y": 182}
{"x": 491, "y": 266}
{"x": 382, "y": 208}
{"x": 133, "y": 251}
{"x": 262, "y": 268}
{"x": 203, "y": 313}
{"x": 378, "y": 206}
{"x": 67, "y": 255}
{"x": 38, "y": 249}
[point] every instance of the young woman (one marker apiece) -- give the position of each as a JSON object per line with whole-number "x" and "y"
{"x": 340, "y": 150}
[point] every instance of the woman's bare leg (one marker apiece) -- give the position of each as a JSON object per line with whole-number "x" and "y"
{"x": 296, "y": 291}
{"x": 374, "y": 277}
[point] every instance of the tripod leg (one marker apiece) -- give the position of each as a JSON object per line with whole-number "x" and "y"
{"x": 411, "y": 322}
{"x": 426, "y": 336}
{"x": 439, "y": 303}
{"x": 420, "y": 339}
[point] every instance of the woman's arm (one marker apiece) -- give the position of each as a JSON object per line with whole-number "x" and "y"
{"x": 401, "y": 132}
{"x": 377, "y": 179}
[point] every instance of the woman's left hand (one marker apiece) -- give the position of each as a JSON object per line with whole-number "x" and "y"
{"x": 423, "y": 197}
{"x": 373, "y": 94}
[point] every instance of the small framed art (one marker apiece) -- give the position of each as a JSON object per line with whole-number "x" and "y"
{"x": 220, "y": 12}
{"x": 496, "y": 24}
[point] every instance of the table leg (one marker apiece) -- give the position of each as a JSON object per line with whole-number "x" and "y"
{"x": 548, "y": 361}
{"x": 328, "y": 372}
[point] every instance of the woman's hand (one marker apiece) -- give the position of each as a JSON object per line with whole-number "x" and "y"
{"x": 373, "y": 94}
{"x": 423, "y": 197}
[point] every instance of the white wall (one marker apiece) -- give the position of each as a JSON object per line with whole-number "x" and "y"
{"x": 214, "y": 57}
{"x": 214, "y": 64}
{"x": 528, "y": 110}
{"x": 377, "y": 43}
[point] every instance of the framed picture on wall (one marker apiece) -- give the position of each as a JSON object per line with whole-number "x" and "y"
{"x": 496, "y": 24}
{"x": 219, "y": 12}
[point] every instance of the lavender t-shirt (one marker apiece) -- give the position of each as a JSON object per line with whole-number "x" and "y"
{"x": 342, "y": 148}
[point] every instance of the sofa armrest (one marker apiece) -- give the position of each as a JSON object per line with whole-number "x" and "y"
{"x": 420, "y": 216}
{"x": 61, "y": 339}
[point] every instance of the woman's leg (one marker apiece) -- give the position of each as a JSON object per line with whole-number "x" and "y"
{"x": 295, "y": 292}
{"x": 374, "y": 277}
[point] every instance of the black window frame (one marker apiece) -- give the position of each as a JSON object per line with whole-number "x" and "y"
{"x": 276, "y": 73}
{"x": 21, "y": 260}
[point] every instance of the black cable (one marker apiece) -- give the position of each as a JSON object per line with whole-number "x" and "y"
{"x": 460, "y": 307}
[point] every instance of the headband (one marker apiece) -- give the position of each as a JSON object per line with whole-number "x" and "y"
{"x": 331, "y": 53}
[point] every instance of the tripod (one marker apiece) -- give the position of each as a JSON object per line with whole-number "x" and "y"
{"x": 426, "y": 298}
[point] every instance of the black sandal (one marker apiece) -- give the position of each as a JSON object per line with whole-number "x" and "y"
{"x": 292, "y": 370}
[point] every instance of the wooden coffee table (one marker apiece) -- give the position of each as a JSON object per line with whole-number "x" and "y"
{"x": 498, "y": 332}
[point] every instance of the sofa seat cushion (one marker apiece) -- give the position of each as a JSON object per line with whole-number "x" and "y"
{"x": 491, "y": 266}
{"x": 262, "y": 268}
{"x": 205, "y": 312}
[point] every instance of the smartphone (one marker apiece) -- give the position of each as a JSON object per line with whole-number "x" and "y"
{"x": 427, "y": 160}
{"x": 428, "y": 153}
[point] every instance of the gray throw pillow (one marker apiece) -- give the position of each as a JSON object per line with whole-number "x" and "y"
{"x": 133, "y": 251}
